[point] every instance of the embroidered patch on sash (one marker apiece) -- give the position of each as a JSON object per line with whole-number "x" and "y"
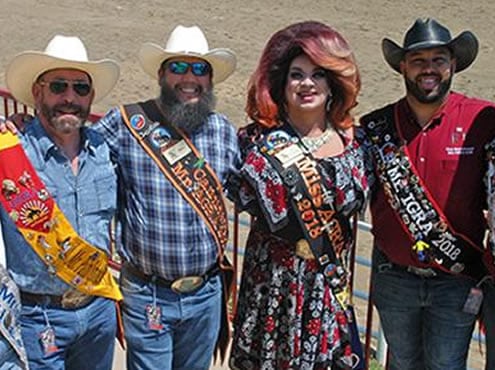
{"x": 433, "y": 240}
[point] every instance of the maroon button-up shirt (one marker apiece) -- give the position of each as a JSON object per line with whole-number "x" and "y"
{"x": 449, "y": 156}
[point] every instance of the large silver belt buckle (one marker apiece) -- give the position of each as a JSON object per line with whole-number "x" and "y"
{"x": 187, "y": 284}
{"x": 73, "y": 299}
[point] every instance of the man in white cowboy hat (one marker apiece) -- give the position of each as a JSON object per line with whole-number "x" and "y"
{"x": 57, "y": 199}
{"x": 173, "y": 153}
{"x": 428, "y": 153}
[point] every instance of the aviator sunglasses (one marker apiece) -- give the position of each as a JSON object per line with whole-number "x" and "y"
{"x": 181, "y": 68}
{"x": 58, "y": 87}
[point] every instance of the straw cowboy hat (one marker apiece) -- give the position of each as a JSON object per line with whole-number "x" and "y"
{"x": 428, "y": 33}
{"x": 62, "y": 52}
{"x": 187, "y": 42}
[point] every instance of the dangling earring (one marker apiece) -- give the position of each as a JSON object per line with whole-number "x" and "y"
{"x": 328, "y": 104}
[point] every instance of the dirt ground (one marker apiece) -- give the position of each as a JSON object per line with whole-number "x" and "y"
{"x": 117, "y": 28}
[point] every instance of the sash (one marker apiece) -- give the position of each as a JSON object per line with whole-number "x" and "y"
{"x": 10, "y": 308}
{"x": 193, "y": 178}
{"x": 434, "y": 241}
{"x": 182, "y": 165}
{"x": 45, "y": 228}
{"x": 324, "y": 229}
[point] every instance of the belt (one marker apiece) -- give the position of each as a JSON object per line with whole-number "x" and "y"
{"x": 382, "y": 259}
{"x": 70, "y": 300}
{"x": 186, "y": 284}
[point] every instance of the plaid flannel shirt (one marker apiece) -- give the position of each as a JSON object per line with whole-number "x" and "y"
{"x": 161, "y": 233}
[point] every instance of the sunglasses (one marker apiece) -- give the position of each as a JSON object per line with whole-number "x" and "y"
{"x": 58, "y": 87}
{"x": 197, "y": 68}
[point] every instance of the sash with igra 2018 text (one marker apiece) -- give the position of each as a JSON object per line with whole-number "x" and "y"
{"x": 45, "y": 227}
{"x": 434, "y": 242}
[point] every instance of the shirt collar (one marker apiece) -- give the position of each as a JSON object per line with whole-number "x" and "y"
{"x": 410, "y": 119}
{"x": 48, "y": 147}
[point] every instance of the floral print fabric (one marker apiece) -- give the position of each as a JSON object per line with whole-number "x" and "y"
{"x": 288, "y": 317}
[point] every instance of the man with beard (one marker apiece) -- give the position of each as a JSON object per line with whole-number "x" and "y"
{"x": 57, "y": 199}
{"x": 173, "y": 153}
{"x": 427, "y": 152}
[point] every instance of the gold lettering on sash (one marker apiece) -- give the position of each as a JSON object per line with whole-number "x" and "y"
{"x": 307, "y": 168}
{"x": 182, "y": 174}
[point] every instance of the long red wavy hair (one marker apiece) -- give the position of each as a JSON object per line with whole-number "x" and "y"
{"x": 326, "y": 48}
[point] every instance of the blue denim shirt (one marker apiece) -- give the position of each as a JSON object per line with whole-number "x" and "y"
{"x": 87, "y": 199}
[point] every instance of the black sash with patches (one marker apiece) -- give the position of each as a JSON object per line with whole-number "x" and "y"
{"x": 326, "y": 232}
{"x": 181, "y": 163}
{"x": 434, "y": 242}
{"x": 193, "y": 178}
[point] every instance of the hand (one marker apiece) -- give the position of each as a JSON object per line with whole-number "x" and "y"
{"x": 14, "y": 123}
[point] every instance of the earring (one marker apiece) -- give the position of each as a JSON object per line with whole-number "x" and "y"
{"x": 328, "y": 104}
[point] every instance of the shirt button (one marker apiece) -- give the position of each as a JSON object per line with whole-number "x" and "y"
{"x": 422, "y": 159}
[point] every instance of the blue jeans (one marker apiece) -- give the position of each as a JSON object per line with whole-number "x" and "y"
{"x": 422, "y": 318}
{"x": 489, "y": 320}
{"x": 84, "y": 338}
{"x": 187, "y": 329}
{"x": 8, "y": 357}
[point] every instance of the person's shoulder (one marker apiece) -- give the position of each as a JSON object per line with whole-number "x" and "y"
{"x": 94, "y": 137}
{"x": 471, "y": 102}
{"x": 219, "y": 118}
{"x": 378, "y": 112}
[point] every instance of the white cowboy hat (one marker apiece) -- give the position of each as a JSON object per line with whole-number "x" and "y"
{"x": 190, "y": 42}
{"x": 62, "y": 52}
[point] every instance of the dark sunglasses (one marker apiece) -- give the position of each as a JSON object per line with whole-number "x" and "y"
{"x": 58, "y": 87}
{"x": 181, "y": 68}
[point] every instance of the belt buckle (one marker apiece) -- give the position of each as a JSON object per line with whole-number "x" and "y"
{"x": 303, "y": 250}
{"x": 187, "y": 284}
{"x": 423, "y": 272}
{"x": 73, "y": 299}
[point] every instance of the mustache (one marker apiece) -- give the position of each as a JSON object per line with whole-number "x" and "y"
{"x": 74, "y": 108}
{"x": 430, "y": 74}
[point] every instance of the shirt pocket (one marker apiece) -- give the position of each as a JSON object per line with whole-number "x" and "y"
{"x": 106, "y": 193}
{"x": 102, "y": 192}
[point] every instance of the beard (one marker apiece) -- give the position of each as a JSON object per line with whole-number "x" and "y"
{"x": 186, "y": 116}
{"x": 428, "y": 97}
{"x": 67, "y": 123}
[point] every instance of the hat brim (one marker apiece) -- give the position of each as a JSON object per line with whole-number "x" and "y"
{"x": 222, "y": 61}
{"x": 26, "y": 67}
{"x": 464, "y": 48}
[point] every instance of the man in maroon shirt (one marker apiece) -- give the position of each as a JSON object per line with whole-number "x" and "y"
{"x": 427, "y": 152}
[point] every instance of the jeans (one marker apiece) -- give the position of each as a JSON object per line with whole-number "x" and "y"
{"x": 8, "y": 357}
{"x": 422, "y": 318}
{"x": 183, "y": 336}
{"x": 489, "y": 320}
{"x": 84, "y": 337}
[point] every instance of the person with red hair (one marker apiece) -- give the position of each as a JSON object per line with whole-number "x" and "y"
{"x": 302, "y": 179}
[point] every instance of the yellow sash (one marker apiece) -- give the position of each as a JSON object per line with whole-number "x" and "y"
{"x": 45, "y": 227}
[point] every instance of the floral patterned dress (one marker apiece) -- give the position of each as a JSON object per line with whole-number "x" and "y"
{"x": 287, "y": 315}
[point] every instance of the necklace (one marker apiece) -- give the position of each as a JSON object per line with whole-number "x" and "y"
{"x": 313, "y": 143}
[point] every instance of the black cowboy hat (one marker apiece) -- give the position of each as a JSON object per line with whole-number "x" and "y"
{"x": 428, "y": 33}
